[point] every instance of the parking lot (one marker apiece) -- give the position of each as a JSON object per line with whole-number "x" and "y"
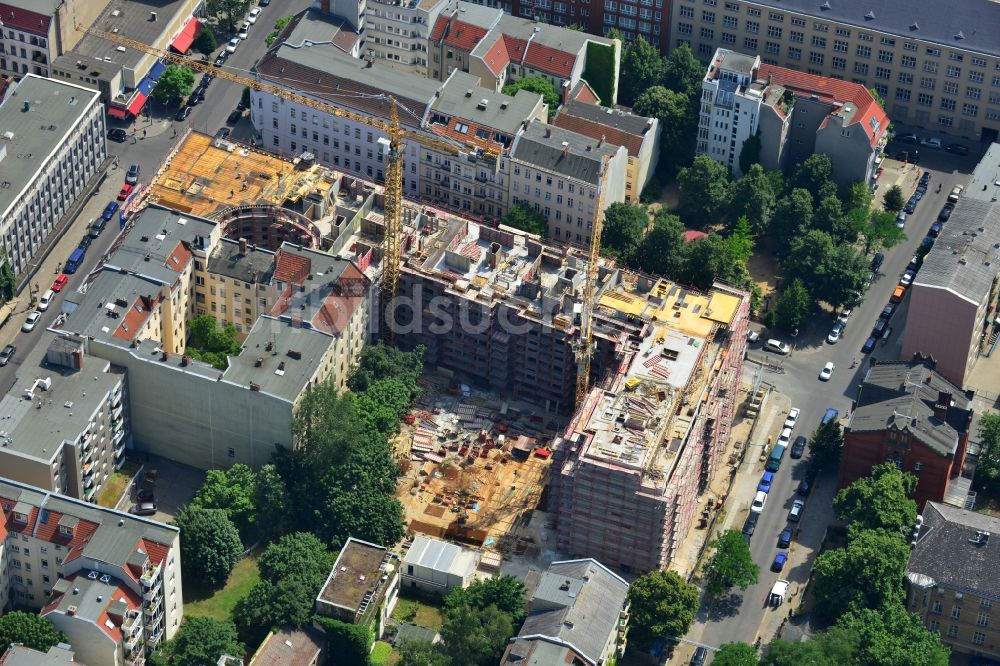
{"x": 173, "y": 486}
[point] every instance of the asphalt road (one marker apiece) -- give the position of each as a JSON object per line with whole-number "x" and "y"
{"x": 148, "y": 152}
{"x": 740, "y": 618}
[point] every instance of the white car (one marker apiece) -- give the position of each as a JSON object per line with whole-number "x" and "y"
{"x": 233, "y": 43}
{"x": 785, "y": 436}
{"x": 793, "y": 416}
{"x": 253, "y": 15}
{"x": 752, "y": 336}
{"x": 826, "y": 372}
{"x": 931, "y": 143}
{"x": 835, "y": 332}
{"x": 758, "y": 502}
{"x": 31, "y": 321}
{"x": 907, "y": 278}
{"x": 244, "y": 30}
{"x": 796, "y": 511}
{"x": 776, "y": 346}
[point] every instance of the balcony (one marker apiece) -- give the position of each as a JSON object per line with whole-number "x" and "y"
{"x": 155, "y": 636}
{"x": 133, "y": 623}
{"x": 151, "y": 576}
{"x": 153, "y": 609}
{"x": 152, "y": 595}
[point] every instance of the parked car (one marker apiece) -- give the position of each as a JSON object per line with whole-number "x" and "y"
{"x": 955, "y": 193}
{"x": 946, "y": 212}
{"x": 785, "y": 437}
{"x": 244, "y": 31}
{"x": 254, "y": 15}
{"x": 888, "y": 310}
{"x": 46, "y": 300}
{"x": 844, "y": 316}
{"x": 776, "y": 346}
{"x": 835, "y": 333}
{"x": 925, "y": 177}
{"x": 61, "y": 280}
{"x": 109, "y": 211}
{"x": 750, "y": 525}
{"x": 933, "y": 142}
{"x": 7, "y": 354}
{"x": 765, "y": 482}
{"x": 234, "y": 117}
{"x": 907, "y": 278}
{"x": 785, "y": 538}
{"x": 700, "y": 654}
{"x": 182, "y": 113}
{"x": 124, "y": 193}
{"x": 898, "y": 293}
{"x": 223, "y": 133}
{"x": 220, "y": 60}
{"x": 264, "y": 3}
{"x": 779, "y": 561}
{"x": 795, "y": 513}
{"x": 798, "y": 447}
{"x": 935, "y": 230}
{"x": 831, "y": 414}
{"x": 826, "y": 372}
{"x": 901, "y": 219}
{"x": 144, "y": 495}
{"x": 915, "y": 262}
{"x": 759, "y": 500}
{"x": 792, "y": 418}
{"x": 233, "y": 43}
{"x": 957, "y": 148}
{"x": 31, "y": 321}
{"x": 805, "y": 487}
{"x": 144, "y": 509}
{"x": 908, "y": 138}
{"x": 877, "y": 261}
{"x": 869, "y": 345}
{"x": 911, "y": 205}
{"x": 95, "y": 230}
{"x": 117, "y": 134}
{"x": 132, "y": 177}
{"x": 879, "y": 326}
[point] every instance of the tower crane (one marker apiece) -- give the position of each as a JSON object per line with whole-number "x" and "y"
{"x": 584, "y": 344}
{"x": 394, "y": 160}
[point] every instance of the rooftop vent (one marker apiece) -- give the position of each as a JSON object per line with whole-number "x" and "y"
{"x": 981, "y": 538}
{"x": 870, "y": 16}
{"x": 960, "y": 35}
{"x": 826, "y": 6}
{"x": 914, "y": 26}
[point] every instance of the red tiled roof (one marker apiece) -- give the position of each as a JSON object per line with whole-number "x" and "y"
{"x": 832, "y": 90}
{"x": 439, "y": 28}
{"x": 540, "y": 57}
{"x": 691, "y": 235}
{"x": 156, "y": 551}
{"x": 594, "y": 130}
{"x": 465, "y": 36}
{"x": 469, "y": 136}
{"x": 179, "y": 258}
{"x": 281, "y": 304}
{"x": 584, "y": 93}
{"x": 133, "y": 320}
{"x": 290, "y": 267}
{"x": 496, "y": 57}
{"x": 25, "y": 20}
{"x": 335, "y": 313}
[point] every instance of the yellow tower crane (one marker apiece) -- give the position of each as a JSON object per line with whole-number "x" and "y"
{"x": 394, "y": 163}
{"x": 584, "y": 344}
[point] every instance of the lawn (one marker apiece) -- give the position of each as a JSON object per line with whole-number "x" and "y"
{"x": 115, "y": 485}
{"x": 418, "y": 612}
{"x": 218, "y": 604}
{"x": 380, "y": 654}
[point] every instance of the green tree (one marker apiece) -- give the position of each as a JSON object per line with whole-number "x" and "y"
{"x": 704, "y": 190}
{"x": 232, "y": 491}
{"x": 740, "y": 240}
{"x": 381, "y": 361}
{"x": 793, "y": 306}
{"x": 521, "y": 216}
{"x": 270, "y": 499}
{"x": 267, "y": 606}
{"x": 878, "y": 98}
{"x": 210, "y": 545}
{"x": 683, "y": 73}
{"x": 210, "y": 342}
{"x": 750, "y": 152}
{"x": 858, "y": 195}
{"x": 279, "y": 25}
{"x": 30, "y": 630}
{"x": 827, "y": 217}
{"x": 298, "y": 554}
{"x": 175, "y": 83}
{"x": 866, "y": 573}
{"x": 792, "y": 217}
{"x": 753, "y": 196}
{"x": 599, "y": 72}
{"x": 880, "y": 501}
{"x": 642, "y": 67}
{"x": 832, "y": 273}
{"x": 422, "y": 653}
{"x": 504, "y": 592}
{"x": 200, "y": 641}
{"x": 476, "y": 636}
{"x": 536, "y": 84}
{"x": 663, "y": 251}
{"x": 365, "y": 514}
{"x": 890, "y": 636}
{"x": 835, "y": 647}
{"x": 731, "y": 564}
{"x": 988, "y": 469}
{"x": 814, "y": 176}
{"x": 709, "y": 259}
{"x": 845, "y": 277}
{"x": 877, "y": 229}
{"x": 230, "y": 10}
{"x": 662, "y": 604}
{"x": 893, "y": 200}
{"x": 8, "y": 285}
{"x": 735, "y": 654}
{"x": 624, "y": 230}
{"x": 205, "y": 41}
{"x": 678, "y": 122}
{"x": 826, "y": 444}
{"x": 351, "y": 643}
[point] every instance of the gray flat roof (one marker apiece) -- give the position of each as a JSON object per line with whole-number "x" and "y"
{"x": 101, "y": 311}
{"x": 255, "y": 265}
{"x": 355, "y": 572}
{"x": 19, "y": 655}
{"x": 553, "y": 36}
{"x": 949, "y": 552}
{"x": 284, "y": 371}
{"x": 985, "y": 182}
{"x": 736, "y": 62}
{"x": 440, "y": 555}
{"x": 148, "y": 250}
{"x": 316, "y": 27}
{"x": 971, "y": 25}
{"x": 37, "y": 428}
{"x": 541, "y": 145}
{"x": 454, "y": 100}
{"x": 31, "y": 137}
{"x": 964, "y": 259}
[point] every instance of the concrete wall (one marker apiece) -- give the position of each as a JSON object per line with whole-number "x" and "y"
{"x": 773, "y": 129}
{"x": 91, "y": 645}
{"x": 804, "y": 120}
{"x": 850, "y": 150}
{"x": 942, "y": 324}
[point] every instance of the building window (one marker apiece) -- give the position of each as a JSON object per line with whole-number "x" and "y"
{"x": 945, "y": 121}
{"x": 973, "y": 93}
{"x": 707, "y": 33}
{"x": 978, "y": 638}
{"x": 840, "y": 46}
{"x": 772, "y": 47}
{"x": 905, "y": 79}
{"x": 933, "y": 625}
{"x": 753, "y": 27}
{"x": 816, "y": 58}
{"x": 861, "y": 68}
{"x": 774, "y": 31}
{"x": 730, "y": 22}
{"x": 953, "y": 631}
{"x": 923, "y": 99}
{"x": 776, "y": 17}
{"x": 970, "y": 110}
{"x": 985, "y": 603}
{"x": 794, "y": 53}
{"x": 707, "y": 17}
{"x": 934, "y": 53}
{"x": 983, "y": 619}
{"x": 884, "y": 56}
{"x": 953, "y": 72}
{"x": 956, "y": 612}
{"x": 821, "y": 27}
{"x": 863, "y": 51}
{"x": 930, "y": 67}
{"x": 796, "y": 37}
{"x": 752, "y": 11}
{"x": 819, "y": 42}
{"x": 927, "y": 83}
{"x": 883, "y": 73}
{"x": 728, "y": 38}
{"x": 947, "y": 104}
{"x": 838, "y": 63}
{"x": 936, "y": 608}
{"x": 750, "y": 43}
{"x": 902, "y": 94}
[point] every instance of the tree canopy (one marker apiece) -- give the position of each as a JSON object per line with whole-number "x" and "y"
{"x": 736, "y": 654}
{"x": 351, "y": 643}
{"x": 826, "y": 444}
{"x": 230, "y": 10}
{"x": 536, "y": 84}
{"x": 231, "y": 490}
{"x": 880, "y": 501}
{"x": 835, "y": 647}
{"x": 30, "y": 630}
{"x": 750, "y": 152}
{"x": 174, "y": 84}
{"x": 210, "y": 545}
{"x": 476, "y": 636}
{"x": 753, "y": 196}
{"x": 205, "y": 41}
{"x": 662, "y": 604}
{"x": 211, "y": 342}
{"x": 521, "y": 216}
{"x": 642, "y": 67}
{"x": 677, "y": 120}
{"x": 731, "y": 564}
{"x": 988, "y": 469}
{"x": 793, "y": 306}
{"x": 663, "y": 251}
{"x": 505, "y": 592}
{"x": 890, "y": 636}
{"x": 704, "y": 190}
{"x": 624, "y": 229}
{"x": 893, "y": 200}
{"x": 199, "y": 641}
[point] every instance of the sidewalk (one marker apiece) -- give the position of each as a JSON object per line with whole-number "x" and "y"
{"x": 894, "y": 172}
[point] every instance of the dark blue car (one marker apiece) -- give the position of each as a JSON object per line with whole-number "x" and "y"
{"x": 785, "y": 538}
{"x": 935, "y": 230}
{"x": 779, "y": 561}
{"x": 109, "y": 211}
{"x": 765, "y": 482}
{"x": 869, "y": 345}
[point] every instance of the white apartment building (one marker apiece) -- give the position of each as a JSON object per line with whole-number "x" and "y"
{"x": 33, "y": 32}
{"x": 52, "y": 141}
{"x": 109, "y": 580}
{"x": 730, "y": 108}
{"x": 558, "y": 172}
{"x": 397, "y": 31}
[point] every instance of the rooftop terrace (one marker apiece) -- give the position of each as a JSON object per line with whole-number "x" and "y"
{"x": 356, "y": 573}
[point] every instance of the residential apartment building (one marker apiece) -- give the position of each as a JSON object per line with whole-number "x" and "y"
{"x": 639, "y": 135}
{"x": 34, "y": 32}
{"x": 398, "y": 31}
{"x": 558, "y": 173}
{"x": 953, "y": 299}
{"x": 476, "y": 181}
{"x": 501, "y": 49}
{"x": 362, "y": 587}
{"x": 793, "y": 114}
{"x": 436, "y": 566}
{"x": 908, "y": 414}
{"x": 936, "y": 65}
{"x": 19, "y": 655}
{"x": 578, "y": 614}
{"x": 125, "y": 77}
{"x": 52, "y": 142}
{"x": 641, "y": 448}
{"x": 109, "y": 580}
{"x": 946, "y": 580}
{"x": 66, "y": 420}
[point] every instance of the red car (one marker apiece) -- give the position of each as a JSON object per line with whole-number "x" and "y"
{"x": 60, "y": 282}
{"x": 126, "y": 190}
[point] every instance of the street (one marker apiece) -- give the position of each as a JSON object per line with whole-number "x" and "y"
{"x": 744, "y": 616}
{"x": 154, "y": 138}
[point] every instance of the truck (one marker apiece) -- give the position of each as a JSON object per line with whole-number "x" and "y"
{"x": 777, "y": 595}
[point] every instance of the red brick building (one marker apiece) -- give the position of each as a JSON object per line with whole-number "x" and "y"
{"x": 907, "y": 413}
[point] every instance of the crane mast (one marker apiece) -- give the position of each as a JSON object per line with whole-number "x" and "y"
{"x": 584, "y": 348}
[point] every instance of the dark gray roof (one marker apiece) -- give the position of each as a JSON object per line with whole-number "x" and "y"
{"x": 619, "y": 118}
{"x": 19, "y": 655}
{"x": 256, "y": 265}
{"x": 972, "y": 25}
{"x": 949, "y": 554}
{"x": 736, "y": 62}
{"x": 901, "y": 395}
{"x": 576, "y": 603}
{"x": 462, "y": 97}
{"x": 561, "y": 151}
{"x": 155, "y": 235}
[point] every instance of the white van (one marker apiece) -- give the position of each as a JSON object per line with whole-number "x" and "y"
{"x": 46, "y": 300}
{"x": 776, "y": 346}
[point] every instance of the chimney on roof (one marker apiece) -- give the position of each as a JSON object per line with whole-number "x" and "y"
{"x": 243, "y": 246}
{"x": 942, "y": 404}
{"x": 548, "y": 132}
{"x": 600, "y": 142}
{"x": 152, "y": 16}
{"x": 565, "y": 148}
